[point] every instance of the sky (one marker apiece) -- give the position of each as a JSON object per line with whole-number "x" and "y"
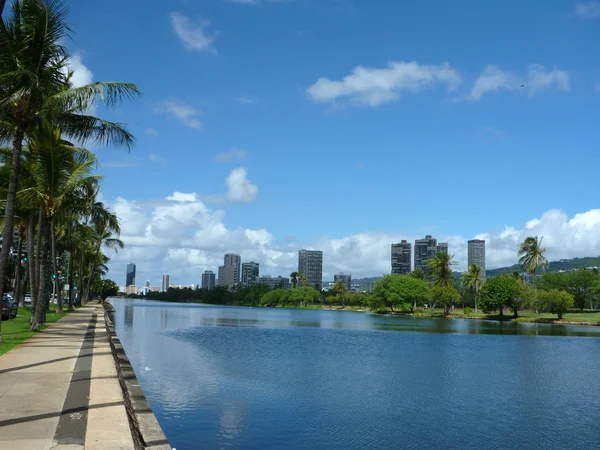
{"x": 267, "y": 126}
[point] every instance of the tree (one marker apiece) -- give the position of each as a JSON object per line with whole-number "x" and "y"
{"x": 294, "y": 278}
{"x": 418, "y": 274}
{"x": 302, "y": 279}
{"x": 473, "y": 281}
{"x": 439, "y": 267}
{"x": 339, "y": 289}
{"x": 35, "y": 86}
{"x": 531, "y": 256}
{"x": 555, "y": 301}
{"x": 399, "y": 291}
{"x": 105, "y": 289}
{"x": 497, "y": 293}
{"x": 447, "y": 296}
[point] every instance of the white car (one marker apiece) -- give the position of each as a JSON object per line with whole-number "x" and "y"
{"x": 27, "y": 300}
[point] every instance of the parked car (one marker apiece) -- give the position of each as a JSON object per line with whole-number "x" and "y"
{"x": 9, "y": 307}
{"x": 27, "y": 300}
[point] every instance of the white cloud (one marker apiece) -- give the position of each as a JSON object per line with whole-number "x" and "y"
{"x": 193, "y": 35}
{"x": 188, "y": 115}
{"x": 373, "y": 87}
{"x": 239, "y": 188}
{"x": 182, "y": 236}
{"x": 151, "y": 132}
{"x": 493, "y": 79}
{"x": 246, "y": 100}
{"x": 157, "y": 159}
{"x": 589, "y": 10}
{"x": 81, "y": 76}
{"x": 233, "y": 154}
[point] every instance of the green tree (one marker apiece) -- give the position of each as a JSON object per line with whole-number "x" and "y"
{"x": 440, "y": 270}
{"x": 398, "y": 292}
{"x": 294, "y": 278}
{"x": 302, "y": 279}
{"x": 105, "y": 289}
{"x": 35, "y": 86}
{"x": 473, "y": 281}
{"x": 531, "y": 256}
{"x": 418, "y": 274}
{"x": 447, "y": 296}
{"x": 339, "y": 289}
{"x": 555, "y": 301}
{"x": 497, "y": 293}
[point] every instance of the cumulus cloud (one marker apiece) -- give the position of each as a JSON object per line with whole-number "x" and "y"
{"x": 373, "y": 87}
{"x": 81, "y": 75}
{"x": 239, "y": 188}
{"x": 182, "y": 236}
{"x": 193, "y": 36}
{"x": 588, "y": 10}
{"x": 233, "y": 154}
{"x": 173, "y": 108}
{"x": 538, "y": 79}
{"x": 151, "y": 132}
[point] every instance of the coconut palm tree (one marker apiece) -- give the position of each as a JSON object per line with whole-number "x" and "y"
{"x": 440, "y": 270}
{"x": 531, "y": 256}
{"x": 473, "y": 280}
{"x": 294, "y": 278}
{"x": 35, "y": 86}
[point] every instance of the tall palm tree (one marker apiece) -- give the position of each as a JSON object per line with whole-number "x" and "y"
{"x": 440, "y": 270}
{"x": 294, "y": 277}
{"x": 35, "y": 84}
{"x": 473, "y": 280}
{"x": 531, "y": 256}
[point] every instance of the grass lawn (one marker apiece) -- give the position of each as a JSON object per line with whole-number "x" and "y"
{"x": 524, "y": 316}
{"x": 16, "y": 331}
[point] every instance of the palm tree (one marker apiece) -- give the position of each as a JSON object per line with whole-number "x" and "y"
{"x": 418, "y": 274}
{"x": 294, "y": 277}
{"x": 473, "y": 280}
{"x": 532, "y": 256}
{"x": 440, "y": 270}
{"x": 339, "y": 288}
{"x": 35, "y": 85}
{"x": 302, "y": 279}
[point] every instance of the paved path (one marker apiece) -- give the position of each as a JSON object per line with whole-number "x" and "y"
{"x": 60, "y": 390}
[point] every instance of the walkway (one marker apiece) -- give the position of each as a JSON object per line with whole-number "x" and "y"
{"x": 60, "y": 390}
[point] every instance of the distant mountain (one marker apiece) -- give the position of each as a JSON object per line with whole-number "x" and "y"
{"x": 555, "y": 266}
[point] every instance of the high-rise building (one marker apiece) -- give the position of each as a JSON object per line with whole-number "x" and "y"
{"x": 346, "y": 279}
{"x": 208, "y": 280}
{"x": 310, "y": 263}
{"x": 130, "y": 276}
{"x": 476, "y": 253}
{"x": 226, "y": 277}
{"x": 234, "y": 260}
{"x": 424, "y": 249}
{"x": 250, "y": 272}
{"x": 442, "y": 247}
{"x": 274, "y": 282}
{"x": 165, "y": 283}
{"x": 401, "y": 257}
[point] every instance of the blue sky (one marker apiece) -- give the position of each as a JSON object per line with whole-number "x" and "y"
{"x": 344, "y": 125}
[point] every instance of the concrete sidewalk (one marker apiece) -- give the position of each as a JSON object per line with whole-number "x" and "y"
{"x": 60, "y": 389}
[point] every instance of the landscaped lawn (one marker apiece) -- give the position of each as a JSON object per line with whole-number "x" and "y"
{"x": 16, "y": 331}
{"x": 524, "y": 316}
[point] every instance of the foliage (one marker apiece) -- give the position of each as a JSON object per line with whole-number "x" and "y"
{"x": 554, "y": 266}
{"x": 440, "y": 271}
{"x": 105, "y": 288}
{"x": 339, "y": 289}
{"x": 400, "y": 292}
{"x": 447, "y": 296}
{"x": 582, "y": 284}
{"x": 472, "y": 280}
{"x": 301, "y": 296}
{"x": 555, "y": 301}
{"x": 418, "y": 274}
{"x": 532, "y": 256}
{"x": 467, "y": 311}
{"x": 497, "y": 293}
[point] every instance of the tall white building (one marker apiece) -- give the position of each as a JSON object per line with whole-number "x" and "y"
{"x": 310, "y": 263}
{"x": 476, "y": 253}
{"x": 165, "y": 283}
{"x": 234, "y": 260}
{"x": 226, "y": 277}
{"x": 250, "y": 272}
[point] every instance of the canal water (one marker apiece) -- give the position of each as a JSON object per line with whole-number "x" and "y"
{"x": 257, "y": 378}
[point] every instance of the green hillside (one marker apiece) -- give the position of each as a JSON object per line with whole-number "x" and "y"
{"x": 555, "y": 266}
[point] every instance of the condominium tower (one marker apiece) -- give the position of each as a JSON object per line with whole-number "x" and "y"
{"x": 208, "y": 280}
{"x": 165, "y": 283}
{"x": 345, "y": 279}
{"x": 401, "y": 256}
{"x": 250, "y": 272}
{"x": 476, "y": 253}
{"x": 130, "y": 275}
{"x": 234, "y": 260}
{"x": 310, "y": 263}
{"x": 427, "y": 248}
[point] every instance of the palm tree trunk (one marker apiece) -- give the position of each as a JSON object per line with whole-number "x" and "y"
{"x": 59, "y": 306}
{"x": 70, "y": 265}
{"x": 40, "y": 307}
{"x": 24, "y": 286}
{"x": 18, "y": 267}
{"x": 39, "y": 252}
{"x": 92, "y": 272}
{"x": 9, "y": 208}
{"x": 80, "y": 285}
{"x": 31, "y": 258}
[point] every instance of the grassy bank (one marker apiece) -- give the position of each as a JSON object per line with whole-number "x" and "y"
{"x": 581, "y": 318}
{"x": 16, "y": 331}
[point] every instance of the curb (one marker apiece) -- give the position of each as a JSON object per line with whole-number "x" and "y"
{"x": 145, "y": 429}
